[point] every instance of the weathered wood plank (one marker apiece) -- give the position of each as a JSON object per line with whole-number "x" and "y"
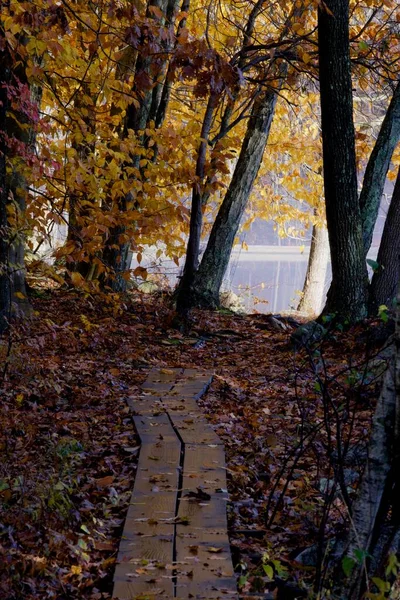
{"x": 181, "y": 404}
{"x": 154, "y": 429}
{"x": 204, "y": 565}
{"x": 210, "y": 457}
{"x": 171, "y": 374}
{"x": 146, "y": 541}
{"x": 192, "y": 385}
{"x": 159, "y": 556}
{"x": 148, "y": 537}
{"x": 194, "y": 429}
{"x": 189, "y": 390}
{"x": 150, "y": 583}
{"x": 204, "y": 469}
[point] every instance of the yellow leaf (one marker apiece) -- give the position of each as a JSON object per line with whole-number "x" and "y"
{"x": 76, "y": 570}
{"x": 77, "y": 279}
{"x": 20, "y": 295}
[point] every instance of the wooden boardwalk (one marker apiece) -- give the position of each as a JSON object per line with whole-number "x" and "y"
{"x": 175, "y": 542}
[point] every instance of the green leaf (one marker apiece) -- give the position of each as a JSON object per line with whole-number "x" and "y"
{"x": 269, "y": 571}
{"x": 85, "y": 529}
{"x": 383, "y": 586}
{"x": 383, "y": 313}
{"x": 361, "y": 555}
{"x": 348, "y": 564}
{"x": 392, "y": 566}
{"x": 4, "y": 485}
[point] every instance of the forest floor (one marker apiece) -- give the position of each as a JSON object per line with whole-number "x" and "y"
{"x": 69, "y": 449}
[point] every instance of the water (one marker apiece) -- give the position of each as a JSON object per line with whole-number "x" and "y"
{"x": 266, "y": 278}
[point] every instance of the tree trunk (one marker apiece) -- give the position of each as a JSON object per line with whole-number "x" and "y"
{"x": 347, "y": 295}
{"x": 17, "y": 140}
{"x": 150, "y": 68}
{"x": 386, "y": 278}
{"x": 196, "y": 213}
{"x": 375, "y": 520}
{"x": 162, "y": 91}
{"x": 5, "y": 291}
{"x": 377, "y": 168}
{"x": 78, "y": 210}
{"x": 214, "y": 263}
{"x": 371, "y": 508}
{"x": 313, "y": 289}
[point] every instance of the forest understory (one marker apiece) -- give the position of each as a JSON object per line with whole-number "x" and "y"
{"x": 69, "y": 448}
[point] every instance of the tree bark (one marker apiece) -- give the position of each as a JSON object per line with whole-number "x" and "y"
{"x": 78, "y": 210}
{"x": 16, "y": 127}
{"x": 347, "y": 295}
{"x": 372, "y": 505}
{"x": 183, "y": 300}
{"x": 208, "y": 279}
{"x": 5, "y": 290}
{"x": 385, "y": 279}
{"x": 375, "y": 516}
{"x": 377, "y": 168}
{"x": 313, "y": 289}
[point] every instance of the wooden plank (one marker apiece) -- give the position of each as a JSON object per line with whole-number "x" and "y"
{"x": 168, "y": 375}
{"x": 157, "y": 387}
{"x": 148, "y": 536}
{"x": 193, "y": 384}
{"x": 160, "y": 557}
{"x": 145, "y": 405}
{"x": 184, "y": 405}
{"x": 204, "y": 565}
{"x": 150, "y": 582}
{"x": 208, "y": 458}
{"x": 197, "y": 374}
{"x": 146, "y": 541}
{"x": 204, "y": 468}
{"x": 194, "y": 429}
{"x": 189, "y": 390}
{"x": 154, "y": 428}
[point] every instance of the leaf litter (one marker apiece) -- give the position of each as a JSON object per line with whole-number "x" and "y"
{"x": 69, "y": 448}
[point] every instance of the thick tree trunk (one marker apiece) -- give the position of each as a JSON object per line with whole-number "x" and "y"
{"x": 347, "y": 295}
{"x": 5, "y": 290}
{"x": 371, "y": 509}
{"x": 375, "y": 523}
{"x": 377, "y": 168}
{"x": 208, "y": 279}
{"x": 15, "y": 126}
{"x": 183, "y": 302}
{"x": 313, "y": 289}
{"x": 385, "y": 279}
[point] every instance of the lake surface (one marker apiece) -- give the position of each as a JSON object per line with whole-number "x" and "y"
{"x": 266, "y": 278}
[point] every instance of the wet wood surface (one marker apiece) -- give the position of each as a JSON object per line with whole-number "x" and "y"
{"x": 175, "y": 542}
